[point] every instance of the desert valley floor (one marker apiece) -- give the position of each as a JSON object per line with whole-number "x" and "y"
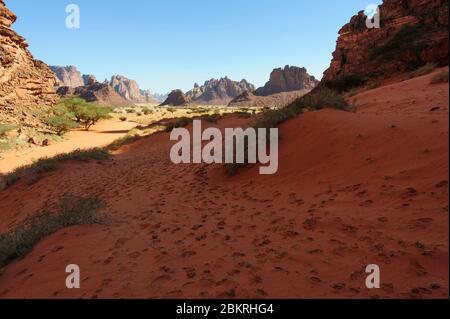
{"x": 369, "y": 187}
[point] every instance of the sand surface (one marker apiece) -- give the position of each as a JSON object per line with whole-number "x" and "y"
{"x": 99, "y": 135}
{"x": 353, "y": 189}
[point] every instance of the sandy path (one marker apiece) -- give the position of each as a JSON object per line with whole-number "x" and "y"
{"x": 100, "y": 135}
{"x": 353, "y": 189}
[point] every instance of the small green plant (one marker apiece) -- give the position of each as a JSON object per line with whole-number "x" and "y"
{"x": 61, "y": 124}
{"x": 123, "y": 118}
{"x": 441, "y": 77}
{"x": 171, "y": 110}
{"x": 72, "y": 210}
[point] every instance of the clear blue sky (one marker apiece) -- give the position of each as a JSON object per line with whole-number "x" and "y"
{"x": 168, "y": 44}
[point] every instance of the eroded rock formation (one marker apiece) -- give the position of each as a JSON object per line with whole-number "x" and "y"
{"x": 412, "y": 33}
{"x": 177, "y": 98}
{"x": 24, "y": 82}
{"x": 291, "y": 78}
{"x": 218, "y": 92}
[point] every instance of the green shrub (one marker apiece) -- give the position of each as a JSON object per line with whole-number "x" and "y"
{"x": 171, "y": 110}
{"x": 123, "y": 118}
{"x": 61, "y": 124}
{"x": 92, "y": 114}
{"x": 72, "y": 210}
{"x": 440, "y": 78}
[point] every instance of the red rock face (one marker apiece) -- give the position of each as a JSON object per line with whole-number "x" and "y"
{"x": 23, "y": 81}
{"x": 383, "y": 52}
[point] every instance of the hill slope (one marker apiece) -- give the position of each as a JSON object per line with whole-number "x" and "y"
{"x": 353, "y": 189}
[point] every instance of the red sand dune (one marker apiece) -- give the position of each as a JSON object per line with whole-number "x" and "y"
{"x": 353, "y": 189}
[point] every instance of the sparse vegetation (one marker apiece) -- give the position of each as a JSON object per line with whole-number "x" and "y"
{"x": 5, "y": 128}
{"x": 61, "y": 124}
{"x": 344, "y": 83}
{"x": 404, "y": 39}
{"x": 441, "y": 77}
{"x": 423, "y": 70}
{"x": 32, "y": 171}
{"x": 181, "y": 122}
{"x": 72, "y": 210}
{"x": 316, "y": 100}
{"x": 84, "y": 113}
{"x": 123, "y": 118}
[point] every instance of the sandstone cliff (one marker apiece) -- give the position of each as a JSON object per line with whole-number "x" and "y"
{"x": 291, "y": 78}
{"x": 412, "y": 33}
{"x": 129, "y": 90}
{"x": 24, "y": 82}
{"x": 218, "y": 92}
{"x": 67, "y": 76}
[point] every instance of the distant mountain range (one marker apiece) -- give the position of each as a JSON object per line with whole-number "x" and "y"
{"x": 71, "y": 81}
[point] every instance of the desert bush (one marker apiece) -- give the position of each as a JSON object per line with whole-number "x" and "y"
{"x": 72, "y": 210}
{"x": 87, "y": 114}
{"x": 130, "y": 111}
{"x": 61, "y": 124}
{"x": 344, "y": 83}
{"x": 213, "y": 118}
{"x": 423, "y": 70}
{"x": 441, "y": 77}
{"x": 32, "y": 171}
{"x": 171, "y": 110}
{"x": 123, "y": 118}
{"x": 5, "y": 128}
{"x": 146, "y": 111}
{"x": 181, "y": 122}
{"x": 92, "y": 114}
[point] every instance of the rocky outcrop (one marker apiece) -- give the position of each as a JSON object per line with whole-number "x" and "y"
{"x": 177, "y": 98}
{"x": 412, "y": 33}
{"x": 248, "y": 99}
{"x": 68, "y": 76}
{"x": 99, "y": 93}
{"x": 218, "y": 92}
{"x": 24, "y": 82}
{"x": 129, "y": 90}
{"x": 89, "y": 79}
{"x": 291, "y": 78}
